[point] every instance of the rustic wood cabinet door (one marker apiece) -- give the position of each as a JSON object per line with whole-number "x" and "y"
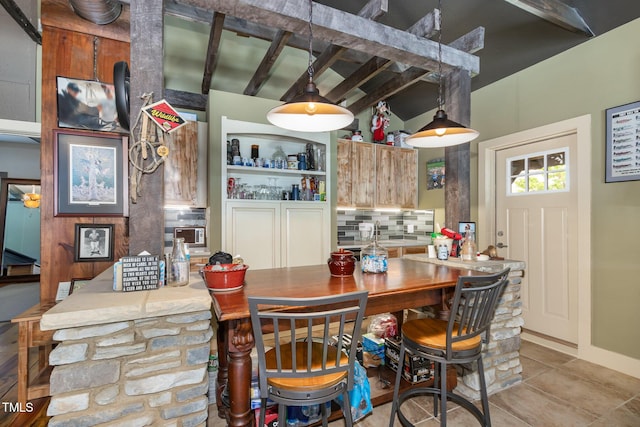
{"x": 344, "y": 173}
{"x": 396, "y": 177}
{"x": 180, "y": 167}
{"x": 363, "y": 174}
{"x": 387, "y": 170}
{"x": 407, "y": 161}
{"x": 356, "y": 174}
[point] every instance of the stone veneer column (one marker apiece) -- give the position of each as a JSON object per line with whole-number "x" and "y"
{"x": 501, "y": 355}
{"x": 141, "y": 372}
{"x": 130, "y": 359}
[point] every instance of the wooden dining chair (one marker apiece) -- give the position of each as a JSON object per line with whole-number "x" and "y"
{"x": 313, "y": 350}
{"x": 454, "y": 341}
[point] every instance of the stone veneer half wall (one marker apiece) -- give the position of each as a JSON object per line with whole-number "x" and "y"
{"x": 130, "y": 358}
{"x": 501, "y": 354}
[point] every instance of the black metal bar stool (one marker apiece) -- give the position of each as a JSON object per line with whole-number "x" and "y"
{"x": 303, "y": 367}
{"x": 454, "y": 341}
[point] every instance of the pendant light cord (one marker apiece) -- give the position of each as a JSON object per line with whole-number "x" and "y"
{"x": 310, "y": 68}
{"x": 440, "y": 96}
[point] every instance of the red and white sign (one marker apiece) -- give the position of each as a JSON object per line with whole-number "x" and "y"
{"x": 164, "y": 115}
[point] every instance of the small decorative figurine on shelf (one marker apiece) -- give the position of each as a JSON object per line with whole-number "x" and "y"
{"x": 380, "y": 121}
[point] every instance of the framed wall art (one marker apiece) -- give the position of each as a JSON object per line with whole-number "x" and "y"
{"x": 435, "y": 174}
{"x": 90, "y": 174}
{"x": 93, "y": 242}
{"x": 623, "y": 143}
{"x": 87, "y": 104}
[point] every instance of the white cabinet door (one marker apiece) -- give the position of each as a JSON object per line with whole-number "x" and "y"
{"x": 305, "y": 235}
{"x": 253, "y": 232}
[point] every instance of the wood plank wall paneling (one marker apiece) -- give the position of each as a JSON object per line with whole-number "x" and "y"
{"x": 180, "y": 168}
{"x": 70, "y": 54}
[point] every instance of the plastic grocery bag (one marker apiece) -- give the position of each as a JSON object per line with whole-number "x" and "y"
{"x": 360, "y": 395}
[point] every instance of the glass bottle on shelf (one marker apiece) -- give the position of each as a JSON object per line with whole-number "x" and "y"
{"x": 279, "y": 158}
{"x": 179, "y": 272}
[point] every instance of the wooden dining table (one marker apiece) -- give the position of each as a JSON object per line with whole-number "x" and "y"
{"x": 406, "y": 284}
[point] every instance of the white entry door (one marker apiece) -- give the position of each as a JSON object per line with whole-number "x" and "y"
{"x": 536, "y": 214}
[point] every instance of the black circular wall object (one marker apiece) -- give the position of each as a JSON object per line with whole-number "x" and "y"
{"x": 121, "y": 84}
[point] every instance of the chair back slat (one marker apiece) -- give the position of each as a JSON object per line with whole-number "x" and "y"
{"x": 474, "y": 302}
{"x": 309, "y": 321}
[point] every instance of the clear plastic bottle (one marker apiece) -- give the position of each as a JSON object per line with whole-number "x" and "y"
{"x": 468, "y": 251}
{"x": 179, "y": 273}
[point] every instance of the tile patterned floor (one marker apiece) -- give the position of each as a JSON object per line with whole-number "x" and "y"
{"x": 557, "y": 390}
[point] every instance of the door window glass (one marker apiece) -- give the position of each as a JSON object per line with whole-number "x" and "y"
{"x": 542, "y": 172}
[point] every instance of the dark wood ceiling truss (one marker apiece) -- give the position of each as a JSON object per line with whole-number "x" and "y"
{"x": 409, "y": 55}
{"x": 217, "y": 25}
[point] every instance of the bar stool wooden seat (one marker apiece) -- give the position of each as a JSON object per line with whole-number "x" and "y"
{"x": 454, "y": 341}
{"x": 314, "y": 350}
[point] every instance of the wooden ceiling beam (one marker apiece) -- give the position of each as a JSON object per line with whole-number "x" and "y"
{"x": 473, "y": 41}
{"x": 244, "y": 28}
{"x": 188, "y": 100}
{"x": 387, "y": 89}
{"x": 427, "y": 26}
{"x": 211, "y": 59}
{"x": 363, "y": 74}
{"x": 21, "y": 19}
{"x": 344, "y": 29}
{"x": 373, "y": 10}
{"x": 262, "y": 72}
{"x": 556, "y": 12}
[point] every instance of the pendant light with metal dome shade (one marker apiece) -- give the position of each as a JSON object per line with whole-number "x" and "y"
{"x": 309, "y": 111}
{"x": 441, "y": 132}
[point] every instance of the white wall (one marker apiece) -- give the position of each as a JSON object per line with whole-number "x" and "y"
{"x": 20, "y": 160}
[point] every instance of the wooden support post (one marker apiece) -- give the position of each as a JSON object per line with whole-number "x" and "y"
{"x": 146, "y": 222}
{"x": 457, "y": 194}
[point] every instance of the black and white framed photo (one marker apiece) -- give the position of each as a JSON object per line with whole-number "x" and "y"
{"x": 87, "y": 104}
{"x": 90, "y": 174}
{"x": 623, "y": 143}
{"x": 94, "y": 242}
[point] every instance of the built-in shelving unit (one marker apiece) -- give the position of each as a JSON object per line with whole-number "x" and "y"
{"x": 259, "y": 223}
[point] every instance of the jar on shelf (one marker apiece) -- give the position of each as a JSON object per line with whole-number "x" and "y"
{"x": 179, "y": 271}
{"x": 279, "y": 158}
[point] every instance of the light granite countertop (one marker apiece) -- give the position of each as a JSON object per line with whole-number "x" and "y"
{"x": 491, "y": 266}
{"x": 97, "y": 303}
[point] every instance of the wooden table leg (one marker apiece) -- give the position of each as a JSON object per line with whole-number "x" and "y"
{"x": 240, "y": 342}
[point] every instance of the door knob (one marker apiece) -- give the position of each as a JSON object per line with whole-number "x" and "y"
{"x": 501, "y": 245}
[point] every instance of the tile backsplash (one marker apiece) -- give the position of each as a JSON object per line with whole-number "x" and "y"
{"x": 393, "y": 225}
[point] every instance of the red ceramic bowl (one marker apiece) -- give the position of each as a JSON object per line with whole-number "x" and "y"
{"x": 223, "y": 280}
